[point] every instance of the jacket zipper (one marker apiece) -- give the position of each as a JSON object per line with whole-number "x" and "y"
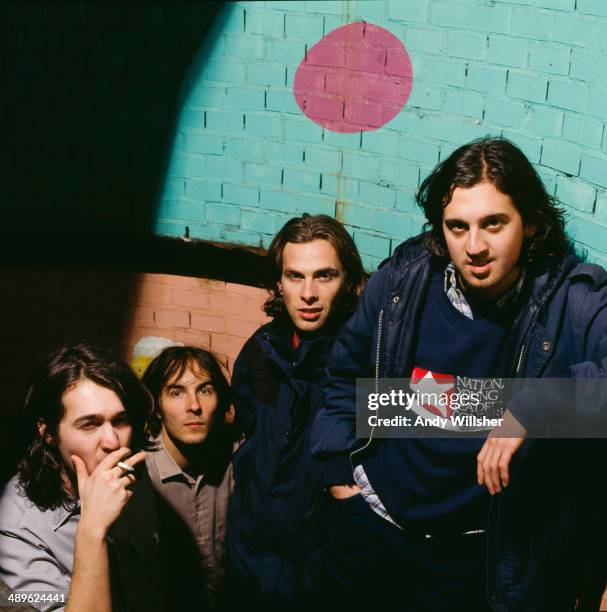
{"x": 377, "y": 359}
{"x": 378, "y": 349}
{"x": 520, "y": 359}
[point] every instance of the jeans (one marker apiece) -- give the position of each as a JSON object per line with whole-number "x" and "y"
{"x": 371, "y": 561}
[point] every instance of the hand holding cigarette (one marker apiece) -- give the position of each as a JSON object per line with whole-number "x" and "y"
{"x": 104, "y": 493}
{"x": 126, "y": 467}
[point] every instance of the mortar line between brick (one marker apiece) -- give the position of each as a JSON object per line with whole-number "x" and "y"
{"x": 596, "y": 195}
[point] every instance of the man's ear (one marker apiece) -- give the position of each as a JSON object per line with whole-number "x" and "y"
{"x": 47, "y": 437}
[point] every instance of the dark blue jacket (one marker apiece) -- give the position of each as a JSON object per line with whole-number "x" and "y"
{"x": 538, "y": 527}
{"x": 274, "y": 515}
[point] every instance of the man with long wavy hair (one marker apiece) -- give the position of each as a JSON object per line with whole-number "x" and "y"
{"x": 314, "y": 276}
{"x": 492, "y": 290}
{"x": 77, "y": 522}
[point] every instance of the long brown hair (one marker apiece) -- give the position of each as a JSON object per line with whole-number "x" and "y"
{"x": 304, "y": 229}
{"x": 55, "y": 373}
{"x": 501, "y": 163}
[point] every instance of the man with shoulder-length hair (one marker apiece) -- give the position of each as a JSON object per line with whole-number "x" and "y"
{"x": 66, "y": 531}
{"x": 191, "y": 470}
{"x": 314, "y": 276}
{"x": 491, "y": 291}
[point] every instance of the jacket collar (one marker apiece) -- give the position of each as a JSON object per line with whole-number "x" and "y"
{"x": 409, "y": 276}
{"x": 408, "y": 252}
{"x": 544, "y": 283}
{"x": 277, "y": 341}
{"x": 595, "y": 275}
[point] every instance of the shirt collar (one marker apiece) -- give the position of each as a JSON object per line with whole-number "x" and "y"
{"x": 166, "y": 465}
{"x": 62, "y": 515}
{"x": 458, "y": 299}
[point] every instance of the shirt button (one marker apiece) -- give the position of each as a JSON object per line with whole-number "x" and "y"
{"x": 395, "y": 299}
{"x": 546, "y": 345}
{"x": 294, "y": 364}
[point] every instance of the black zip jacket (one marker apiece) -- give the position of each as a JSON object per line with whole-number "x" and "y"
{"x": 274, "y": 516}
{"x": 543, "y": 528}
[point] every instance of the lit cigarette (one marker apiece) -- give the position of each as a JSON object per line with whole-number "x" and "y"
{"x": 126, "y": 467}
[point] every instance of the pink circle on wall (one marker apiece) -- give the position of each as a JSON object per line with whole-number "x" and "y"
{"x": 357, "y": 77}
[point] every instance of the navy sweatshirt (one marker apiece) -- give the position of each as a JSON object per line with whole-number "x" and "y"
{"x": 430, "y": 483}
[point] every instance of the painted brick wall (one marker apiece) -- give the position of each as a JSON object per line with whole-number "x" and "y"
{"x": 45, "y": 307}
{"x": 118, "y": 308}
{"x": 245, "y": 158}
{"x": 210, "y": 314}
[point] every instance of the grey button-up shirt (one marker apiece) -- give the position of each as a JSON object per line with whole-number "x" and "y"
{"x": 36, "y": 546}
{"x": 201, "y": 505}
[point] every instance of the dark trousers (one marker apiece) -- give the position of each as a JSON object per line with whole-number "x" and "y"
{"x": 369, "y": 561}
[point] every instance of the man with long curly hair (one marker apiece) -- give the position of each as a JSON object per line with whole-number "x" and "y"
{"x": 492, "y": 290}
{"x": 77, "y": 522}
{"x": 314, "y": 276}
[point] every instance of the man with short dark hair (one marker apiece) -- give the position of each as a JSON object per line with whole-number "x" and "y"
{"x": 491, "y": 291}
{"x": 191, "y": 470}
{"x": 66, "y": 531}
{"x": 314, "y": 277}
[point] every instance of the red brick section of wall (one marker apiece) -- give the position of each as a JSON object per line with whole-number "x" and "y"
{"x": 44, "y": 307}
{"x": 210, "y": 314}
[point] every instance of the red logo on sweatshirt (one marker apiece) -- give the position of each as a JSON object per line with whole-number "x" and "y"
{"x": 434, "y": 391}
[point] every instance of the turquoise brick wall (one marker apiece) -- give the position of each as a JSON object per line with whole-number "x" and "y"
{"x": 245, "y": 158}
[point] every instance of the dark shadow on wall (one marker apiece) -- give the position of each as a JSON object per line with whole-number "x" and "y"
{"x": 91, "y": 94}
